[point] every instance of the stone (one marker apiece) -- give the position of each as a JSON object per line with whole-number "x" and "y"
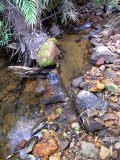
{"x": 115, "y": 106}
{"x": 56, "y": 31}
{"x": 45, "y": 148}
{"x": 94, "y": 126}
{"x": 109, "y": 73}
{"x": 93, "y": 86}
{"x": 63, "y": 144}
{"x": 95, "y": 43}
{"x": 53, "y": 116}
{"x": 102, "y": 51}
{"x": 109, "y": 116}
{"x": 89, "y": 150}
{"x": 117, "y": 145}
{"x": 20, "y": 145}
{"x": 38, "y": 128}
{"x": 102, "y": 68}
{"x": 100, "y": 61}
{"x": 31, "y": 144}
{"x": 87, "y": 100}
{"x": 76, "y": 82}
{"x": 48, "y": 53}
{"x": 56, "y": 156}
{"x": 109, "y": 85}
{"x": 104, "y": 153}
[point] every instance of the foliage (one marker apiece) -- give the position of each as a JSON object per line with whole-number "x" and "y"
{"x": 28, "y": 8}
{"x": 111, "y": 3}
{"x": 4, "y": 34}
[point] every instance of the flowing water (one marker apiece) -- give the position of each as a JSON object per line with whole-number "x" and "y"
{"x": 20, "y": 108}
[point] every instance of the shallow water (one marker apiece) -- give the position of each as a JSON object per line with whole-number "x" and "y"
{"x": 75, "y": 57}
{"x": 20, "y": 109}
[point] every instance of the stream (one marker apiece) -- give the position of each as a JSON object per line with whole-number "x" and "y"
{"x": 21, "y": 108}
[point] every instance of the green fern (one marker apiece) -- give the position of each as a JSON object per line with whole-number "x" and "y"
{"x": 28, "y": 9}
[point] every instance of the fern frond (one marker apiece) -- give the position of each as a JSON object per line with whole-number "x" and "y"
{"x": 28, "y": 9}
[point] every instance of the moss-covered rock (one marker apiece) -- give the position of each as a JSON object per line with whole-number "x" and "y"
{"x": 48, "y": 53}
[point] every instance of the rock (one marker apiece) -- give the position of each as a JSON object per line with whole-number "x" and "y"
{"x": 53, "y": 116}
{"x": 20, "y": 145}
{"x": 38, "y": 128}
{"x": 104, "y": 153}
{"x": 45, "y": 148}
{"x": 48, "y": 53}
{"x": 93, "y": 86}
{"x": 94, "y": 126}
{"x": 55, "y": 156}
{"x": 115, "y": 106}
{"x": 117, "y": 145}
{"x": 109, "y": 73}
{"x": 102, "y": 68}
{"x": 31, "y": 144}
{"x": 54, "y": 127}
{"x": 40, "y": 88}
{"x": 75, "y": 125}
{"x": 87, "y": 100}
{"x": 76, "y": 82}
{"x": 102, "y": 51}
{"x": 92, "y": 112}
{"x": 56, "y": 31}
{"x": 117, "y": 61}
{"x": 100, "y": 61}
{"x": 55, "y": 93}
{"x": 110, "y": 86}
{"x": 109, "y": 116}
{"x": 89, "y": 150}
{"x": 95, "y": 43}
{"x": 63, "y": 144}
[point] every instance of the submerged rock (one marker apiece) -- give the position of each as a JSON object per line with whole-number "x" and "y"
{"x": 89, "y": 150}
{"x": 31, "y": 144}
{"x": 87, "y": 100}
{"x": 38, "y": 128}
{"x": 102, "y": 51}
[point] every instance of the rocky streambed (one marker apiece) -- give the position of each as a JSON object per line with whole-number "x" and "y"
{"x": 41, "y": 120}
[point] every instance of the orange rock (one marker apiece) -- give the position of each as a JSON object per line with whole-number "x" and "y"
{"x": 45, "y": 148}
{"x": 53, "y": 116}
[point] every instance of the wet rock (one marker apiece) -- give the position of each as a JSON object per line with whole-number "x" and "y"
{"x": 55, "y": 92}
{"x": 38, "y": 128}
{"x": 104, "y": 153}
{"x": 53, "y": 116}
{"x": 89, "y": 150}
{"x": 31, "y": 144}
{"x": 20, "y": 145}
{"x": 30, "y": 86}
{"x": 54, "y": 127}
{"x": 87, "y": 100}
{"x": 45, "y": 148}
{"x": 56, "y": 156}
{"x": 102, "y": 51}
{"x": 94, "y": 126}
{"x": 102, "y": 68}
{"x": 95, "y": 43}
{"x": 40, "y": 88}
{"x": 76, "y": 82}
{"x": 63, "y": 144}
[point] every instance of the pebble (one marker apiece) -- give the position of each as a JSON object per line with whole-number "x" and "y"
{"x": 104, "y": 153}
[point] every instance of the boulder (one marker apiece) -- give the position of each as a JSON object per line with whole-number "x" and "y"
{"x": 102, "y": 51}
{"x": 48, "y": 53}
{"x": 87, "y": 100}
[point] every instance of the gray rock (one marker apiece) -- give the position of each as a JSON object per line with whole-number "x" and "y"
{"x": 117, "y": 145}
{"x": 89, "y": 150}
{"x": 102, "y": 51}
{"x": 110, "y": 73}
{"x": 38, "y": 128}
{"x": 56, "y": 31}
{"x": 95, "y": 126}
{"x": 31, "y": 144}
{"x": 115, "y": 106}
{"x": 95, "y": 43}
{"x": 63, "y": 144}
{"x": 87, "y": 100}
{"x": 76, "y": 82}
